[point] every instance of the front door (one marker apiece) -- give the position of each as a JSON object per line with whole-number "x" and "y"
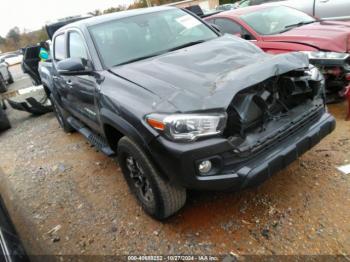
{"x": 82, "y": 88}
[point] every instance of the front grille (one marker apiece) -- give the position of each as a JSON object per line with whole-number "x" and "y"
{"x": 281, "y": 134}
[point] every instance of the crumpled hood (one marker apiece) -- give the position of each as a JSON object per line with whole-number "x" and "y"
{"x": 325, "y": 35}
{"x": 208, "y": 75}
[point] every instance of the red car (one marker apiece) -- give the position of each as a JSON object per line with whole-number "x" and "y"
{"x": 280, "y": 29}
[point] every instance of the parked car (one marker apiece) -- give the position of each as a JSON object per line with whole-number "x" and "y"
{"x": 280, "y": 29}
{"x": 226, "y": 7}
{"x": 11, "y": 248}
{"x": 12, "y": 58}
{"x": 322, "y": 9}
{"x": 245, "y": 3}
{"x": 197, "y": 10}
{"x": 4, "y": 121}
{"x": 5, "y": 77}
{"x": 180, "y": 105}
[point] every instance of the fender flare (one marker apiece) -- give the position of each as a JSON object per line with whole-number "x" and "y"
{"x": 124, "y": 127}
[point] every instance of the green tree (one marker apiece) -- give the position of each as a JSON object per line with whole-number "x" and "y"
{"x": 2, "y": 40}
{"x": 14, "y": 34}
{"x": 96, "y": 12}
{"x": 114, "y": 9}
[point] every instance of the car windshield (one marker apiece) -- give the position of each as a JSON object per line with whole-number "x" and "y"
{"x": 275, "y": 20}
{"x": 244, "y": 3}
{"x": 138, "y": 37}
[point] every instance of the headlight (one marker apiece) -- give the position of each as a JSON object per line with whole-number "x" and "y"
{"x": 315, "y": 74}
{"x": 326, "y": 55}
{"x": 188, "y": 127}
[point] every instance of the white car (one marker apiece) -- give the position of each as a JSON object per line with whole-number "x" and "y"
{"x": 322, "y": 9}
{"x": 5, "y": 77}
{"x": 12, "y": 59}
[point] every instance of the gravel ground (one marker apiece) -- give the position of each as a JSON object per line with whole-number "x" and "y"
{"x": 66, "y": 198}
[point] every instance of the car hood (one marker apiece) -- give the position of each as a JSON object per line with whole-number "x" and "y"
{"x": 325, "y": 35}
{"x": 208, "y": 75}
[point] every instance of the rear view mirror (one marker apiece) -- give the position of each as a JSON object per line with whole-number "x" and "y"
{"x": 74, "y": 66}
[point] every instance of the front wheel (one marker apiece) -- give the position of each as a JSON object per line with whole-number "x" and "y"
{"x": 158, "y": 197}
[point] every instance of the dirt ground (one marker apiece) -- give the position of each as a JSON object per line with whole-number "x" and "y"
{"x": 57, "y": 181}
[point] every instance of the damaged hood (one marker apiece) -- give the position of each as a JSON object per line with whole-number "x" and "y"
{"x": 325, "y": 35}
{"x": 208, "y": 75}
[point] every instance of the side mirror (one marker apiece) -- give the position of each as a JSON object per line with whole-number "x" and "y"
{"x": 216, "y": 28}
{"x": 74, "y": 66}
{"x": 246, "y": 36}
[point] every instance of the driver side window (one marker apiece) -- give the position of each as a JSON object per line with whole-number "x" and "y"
{"x": 76, "y": 46}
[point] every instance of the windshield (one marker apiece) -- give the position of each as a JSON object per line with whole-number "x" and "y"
{"x": 138, "y": 37}
{"x": 244, "y": 3}
{"x": 274, "y": 20}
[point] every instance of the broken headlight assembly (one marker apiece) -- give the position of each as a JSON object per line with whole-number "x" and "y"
{"x": 188, "y": 127}
{"x": 319, "y": 55}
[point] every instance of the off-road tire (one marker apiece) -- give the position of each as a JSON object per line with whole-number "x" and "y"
{"x": 10, "y": 81}
{"x": 61, "y": 115}
{"x": 168, "y": 199}
{"x": 3, "y": 86}
{"x": 4, "y": 121}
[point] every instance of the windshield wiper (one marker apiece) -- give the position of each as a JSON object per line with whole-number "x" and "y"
{"x": 160, "y": 53}
{"x": 185, "y": 45}
{"x": 140, "y": 58}
{"x": 299, "y": 24}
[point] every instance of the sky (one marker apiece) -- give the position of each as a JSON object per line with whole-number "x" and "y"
{"x": 33, "y": 14}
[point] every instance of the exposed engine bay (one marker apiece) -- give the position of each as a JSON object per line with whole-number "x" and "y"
{"x": 272, "y": 110}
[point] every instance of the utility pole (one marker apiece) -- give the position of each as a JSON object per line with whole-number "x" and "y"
{"x": 149, "y": 4}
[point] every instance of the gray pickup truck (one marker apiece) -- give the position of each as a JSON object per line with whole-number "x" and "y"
{"x": 322, "y": 9}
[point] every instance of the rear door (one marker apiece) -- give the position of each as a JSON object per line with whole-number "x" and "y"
{"x": 332, "y": 9}
{"x": 30, "y": 63}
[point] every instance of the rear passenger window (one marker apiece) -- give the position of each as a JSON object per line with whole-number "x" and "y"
{"x": 76, "y": 46}
{"x": 60, "y": 47}
{"x": 228, "y": 26}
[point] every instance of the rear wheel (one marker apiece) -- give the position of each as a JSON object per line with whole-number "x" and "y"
{"x": 158, "y": 197}
{"x": 4, "y": 121}
{"x": 61, "y": 115}
{"x": 3, "y": 86}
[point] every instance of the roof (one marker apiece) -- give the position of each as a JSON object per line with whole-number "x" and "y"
{"x": 117, "y": 15}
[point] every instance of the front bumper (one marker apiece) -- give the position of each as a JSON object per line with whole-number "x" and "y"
{"x": 179, "y": 161}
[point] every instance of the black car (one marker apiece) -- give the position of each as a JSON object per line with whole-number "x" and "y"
{"x": 4, "y": 121}
{"x": 182, "y": 106}
{"x": 11, "y": 248}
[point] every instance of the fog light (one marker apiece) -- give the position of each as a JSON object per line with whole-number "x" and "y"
{"x": 205, "y": 166}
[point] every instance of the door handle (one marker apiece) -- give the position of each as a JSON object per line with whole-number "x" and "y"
{"x": 324, "y": 1}
{"x": 54, "y": 77}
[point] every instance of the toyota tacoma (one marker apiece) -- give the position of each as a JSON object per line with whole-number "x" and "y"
{"x": 181, "y": 106}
